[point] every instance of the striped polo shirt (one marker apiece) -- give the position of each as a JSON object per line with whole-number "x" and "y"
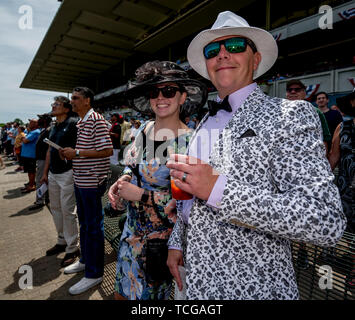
{"x": 93, "y": 134}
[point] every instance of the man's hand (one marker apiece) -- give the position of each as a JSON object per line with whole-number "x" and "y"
{"x": 174, "y": 260}
{"x": 200, "y": 176}
{"x": 67, "y": 153}
{"x": 113, "y": 195}
{"x": 44, "y": 179}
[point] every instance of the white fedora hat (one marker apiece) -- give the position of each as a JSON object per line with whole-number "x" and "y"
{"x": 228, "y": 24}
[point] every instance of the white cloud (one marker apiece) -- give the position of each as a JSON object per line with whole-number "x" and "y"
{"x": 18, "y": 48}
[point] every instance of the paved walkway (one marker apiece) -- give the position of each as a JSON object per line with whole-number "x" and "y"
{"x": 24, "y": 238}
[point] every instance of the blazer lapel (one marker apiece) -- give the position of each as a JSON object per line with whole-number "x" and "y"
{"x": 204, "y": 119}
{"x": 242, "y": 122}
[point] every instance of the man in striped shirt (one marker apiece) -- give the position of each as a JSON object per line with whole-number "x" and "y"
{"x": 91, "y": 163}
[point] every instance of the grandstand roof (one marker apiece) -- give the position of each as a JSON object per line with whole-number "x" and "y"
{"x": 87, "y": 38}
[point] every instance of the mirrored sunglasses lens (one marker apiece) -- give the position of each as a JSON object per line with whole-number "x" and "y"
{"x": 211, "y": 50}
{"x": 235, "y": 45}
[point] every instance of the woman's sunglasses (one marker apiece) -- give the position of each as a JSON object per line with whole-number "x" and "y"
{"x": 167, "y": 92}
{"x": 232, "y": 45}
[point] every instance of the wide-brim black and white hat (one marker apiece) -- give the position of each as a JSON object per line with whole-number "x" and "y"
{"x": 229, "y": 24}
{"x": 157, "y": 72}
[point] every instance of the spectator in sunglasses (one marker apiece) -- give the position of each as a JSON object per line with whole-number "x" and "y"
{"x": 166, "y": 91}
{"x": 263, "y": 181}
{"x": 296, "y": 90}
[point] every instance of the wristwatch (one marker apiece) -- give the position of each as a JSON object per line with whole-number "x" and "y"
{"x": 145, "y": 196}
{"x": 77, "y": 153}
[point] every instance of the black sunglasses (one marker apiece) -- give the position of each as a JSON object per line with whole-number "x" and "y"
{"x": 167, "y": 92}
{"x": 232, "y": 45}
{"x": 294, "y": 89}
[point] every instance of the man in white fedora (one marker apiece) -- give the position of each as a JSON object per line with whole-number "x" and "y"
{"x": 264, "y": 180}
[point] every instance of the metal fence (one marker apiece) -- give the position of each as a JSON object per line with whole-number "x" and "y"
{"x": 325, "y": 273}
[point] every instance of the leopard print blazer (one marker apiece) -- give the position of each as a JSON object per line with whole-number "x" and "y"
{"x": 279, "y": 188}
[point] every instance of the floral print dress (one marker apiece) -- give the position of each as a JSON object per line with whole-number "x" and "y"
{"x": 131, "y": 280}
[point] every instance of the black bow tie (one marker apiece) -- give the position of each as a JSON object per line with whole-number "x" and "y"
{"x": 214, "y": 107}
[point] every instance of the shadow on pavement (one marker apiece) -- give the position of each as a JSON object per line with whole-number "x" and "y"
{"x": 44, "y": 270}
{"x": 11, "y": 172}
{"x": 14, "y": 193}
{"x": 26, "y": 212}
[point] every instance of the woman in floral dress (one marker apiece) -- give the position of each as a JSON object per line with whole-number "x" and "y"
{"x": 166, "y": 90}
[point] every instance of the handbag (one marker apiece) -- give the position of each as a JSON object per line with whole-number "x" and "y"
{"x": 156, "y": 253}
{"x": 156, "y": 256}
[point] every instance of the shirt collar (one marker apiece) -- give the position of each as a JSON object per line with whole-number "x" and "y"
{"x": 87, "y": 115}
{"x": 237, "y": 97}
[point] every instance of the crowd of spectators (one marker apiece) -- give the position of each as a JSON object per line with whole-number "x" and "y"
{"x": 25, "y": 146}
{"x": 75, "y": 174}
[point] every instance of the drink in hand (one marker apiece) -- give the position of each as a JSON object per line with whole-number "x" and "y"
{"x": 179, "y": 194}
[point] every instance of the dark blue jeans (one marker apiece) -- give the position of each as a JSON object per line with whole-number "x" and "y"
{"x": 91, "y": 221}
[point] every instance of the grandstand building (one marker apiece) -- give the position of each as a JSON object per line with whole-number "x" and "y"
{"x": 99, "y": 44}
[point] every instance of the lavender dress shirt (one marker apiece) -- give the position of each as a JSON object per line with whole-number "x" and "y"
{"x": 203, "y": 142}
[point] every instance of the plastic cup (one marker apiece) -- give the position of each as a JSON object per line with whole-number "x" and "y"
{"x": 179, "y": 194}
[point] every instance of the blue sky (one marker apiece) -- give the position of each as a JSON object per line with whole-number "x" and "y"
{"x": 17, "y": 49}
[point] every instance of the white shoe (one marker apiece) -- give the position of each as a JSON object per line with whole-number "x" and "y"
{"x": 83, "y": 285}
{"x": 74, "y": 267}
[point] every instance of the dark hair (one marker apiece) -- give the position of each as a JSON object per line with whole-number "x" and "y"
{"x": 322, "y": 92}
{"x": 44, "y": 120}
{"x": 64, "y": 100}
{"x": 86, "y": 92}
{"x": 297, "y": 82}
{"x": 67, "y": 105}
{"x": 115, "y": 115}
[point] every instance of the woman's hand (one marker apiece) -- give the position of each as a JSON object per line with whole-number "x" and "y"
{"x": 113, "y": 194}
{"x": 129, "y": 191}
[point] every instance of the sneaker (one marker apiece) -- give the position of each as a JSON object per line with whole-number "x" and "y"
{"x": 58, "y": 248}
{"x": 83, "y": 285}
{"x": 69, "y": 258}
{"x": 75, "y": 267}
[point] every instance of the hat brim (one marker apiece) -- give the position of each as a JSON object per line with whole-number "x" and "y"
{"x": 263, "y": 40}
{"x": 196, "y": 95}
